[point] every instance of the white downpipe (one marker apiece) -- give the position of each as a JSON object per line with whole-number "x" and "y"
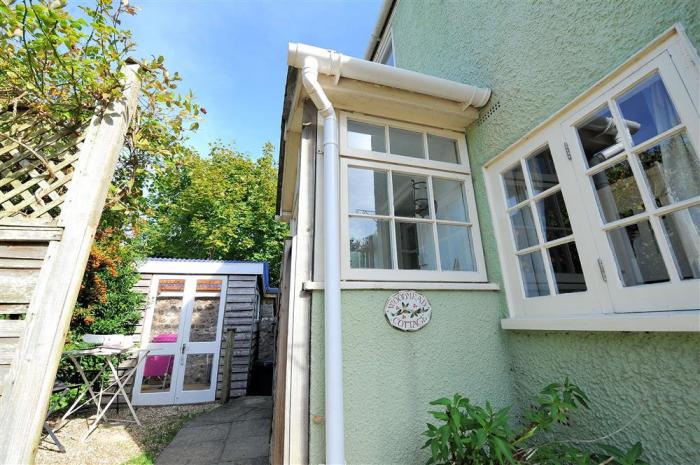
{"x": 335, "y": 428}
{"x": 336, "y": 64}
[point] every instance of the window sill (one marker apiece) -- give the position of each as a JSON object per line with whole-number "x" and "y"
{"x": 678, "y": 321}
{"x": 398, "y": 285}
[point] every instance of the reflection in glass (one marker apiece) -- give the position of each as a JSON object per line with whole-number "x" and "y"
{"x": 408, "y": 143}
{"x": 514, "y": 181}
{"x": 367, "y": 192}
{"x": 198, "y": 368}
{"x": 455, "y": 244}
{"x": 554, "y": 218}
{"x": 637, "y": 254}
{"x": 542, "y": 171}
{"x": 566, "y": 266}
{"x": 672, "y": 170}
{"x": 366, "y": 136}
{"x": 647, "y": 109}
{"x": 533, "y": 274}
{"x": 618, "y": 195}
{"x": 369, "y": 243}
{"x": 205, "y": 319}
{"x": 450, "y": 203}
{"x": 416, "y": 250}
{"x": 410, "y": 195}
{"x": 166, "y": 319}
{"x": 683, "y": 232}
{"x": 599, "y": 137}
{"x": 157, "y": 373}
{"x": 523, "y": 228}
{"x": 442, "y": 149}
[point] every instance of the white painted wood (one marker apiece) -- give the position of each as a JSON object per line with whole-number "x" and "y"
{"x": 12, "y": 328}
{"x": 397, "y": 285}
{"x": 25, "y": 400}
{"x": 17, "y": 285}
{"x": 680, "y": 321}
{"x": 209, "y": 267}
{"x": 589, "y": 231}
{"x": 16, "y": 233}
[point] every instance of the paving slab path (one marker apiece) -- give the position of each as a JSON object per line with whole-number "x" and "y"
{"x": 237, "y": 433}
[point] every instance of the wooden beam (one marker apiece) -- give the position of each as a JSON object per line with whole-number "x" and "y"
{"x": 228, "y": 354}
{"x": 29, "y": 383}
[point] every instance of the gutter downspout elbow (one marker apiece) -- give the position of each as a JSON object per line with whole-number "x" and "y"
{"x": 335, "y": 428}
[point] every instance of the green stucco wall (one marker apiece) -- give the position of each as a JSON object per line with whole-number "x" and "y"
{"x": 390, "y": 376}
{"x": 536, "y": 56}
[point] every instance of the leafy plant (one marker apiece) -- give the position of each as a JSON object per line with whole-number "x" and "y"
{"x": 468, "y": 434}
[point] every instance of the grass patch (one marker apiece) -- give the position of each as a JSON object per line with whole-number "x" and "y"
{"x": 157, "y": 437}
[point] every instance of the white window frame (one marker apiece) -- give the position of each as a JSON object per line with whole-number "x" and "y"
{"x": 676, "y": 61}
{"x": 386, "y": 44}
{"x": 352, "y": 157}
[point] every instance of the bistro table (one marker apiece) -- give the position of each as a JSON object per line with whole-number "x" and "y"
{"x": 108, "y": 353}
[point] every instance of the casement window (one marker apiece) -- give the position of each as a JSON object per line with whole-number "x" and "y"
{"x": 407, "y": 204}
{"x": 598, "y": 211}
{"x": 385, "y": 50}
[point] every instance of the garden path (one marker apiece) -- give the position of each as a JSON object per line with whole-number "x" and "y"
{"x": 237, "y": 433}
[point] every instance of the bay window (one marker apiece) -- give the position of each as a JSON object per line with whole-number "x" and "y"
{"x": 598, "y": 211}
{"x": 407, "y": 204}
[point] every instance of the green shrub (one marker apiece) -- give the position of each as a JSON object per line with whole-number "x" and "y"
{"x": 468, "y": 434}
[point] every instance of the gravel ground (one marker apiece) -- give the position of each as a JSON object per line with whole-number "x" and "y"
{"x": 115, "y": 443}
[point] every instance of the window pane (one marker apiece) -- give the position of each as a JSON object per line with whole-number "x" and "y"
{"x": 198, "y": 369}
{"x": 368, "y": 192}
{"x": 568, "y": 274}
{"x": 166, "y": 319}
{"x": 637, "y": 254}
{"x": 683, "y": 231}
{"x": 618, "y": 195}
{"x": 599, "y": 137}
{"x": 672, "y": 169}
{"x": 366, "y": 136}
{"x": 205, "y": 319}
{"x": 410, "y": 195}
{"x": 647, "y": 109}
{"x": 450, "y": 203}
{"x": 406, "y": 143}
{"x": 523, "y": 228}
{"x": 455, "y": 244}
{"x": 542, "y": 172}
{"x": 534, "y": 277}
{"x": 442, "y": 149}
{"x": 388, "y": 57}
{"x": 514, "y": 181}
{"x": 157, "y": 373}
{"x": 370, "y": 245}
{"x": 554, "y": 218}
{"x": 416, "y": 250}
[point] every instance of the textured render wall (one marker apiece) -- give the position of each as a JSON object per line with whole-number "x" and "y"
{"x": 536, "y": 57}
{"x": 390, "y": 376}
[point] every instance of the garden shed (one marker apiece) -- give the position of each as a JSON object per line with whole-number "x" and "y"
{"x": 193, "y": 311}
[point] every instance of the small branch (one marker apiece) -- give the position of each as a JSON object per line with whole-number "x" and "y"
{"x": 49, "y": 168}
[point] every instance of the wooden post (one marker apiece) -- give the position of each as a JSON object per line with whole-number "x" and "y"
{"x": 26, "y": 397}
{"x": 228, "y": 355}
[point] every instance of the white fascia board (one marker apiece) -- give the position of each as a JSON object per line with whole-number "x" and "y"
{"x": 201, "y": 267}
{"x": 677, "y": 321}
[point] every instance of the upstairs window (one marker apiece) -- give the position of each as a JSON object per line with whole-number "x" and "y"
{"x": 385, "y": 50}
{"x": 406, "y": 217}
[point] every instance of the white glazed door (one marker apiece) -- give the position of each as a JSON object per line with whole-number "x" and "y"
{"x": 182, "y": 331}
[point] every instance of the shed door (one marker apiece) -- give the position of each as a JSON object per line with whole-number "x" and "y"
{"x": 182, "y": 331}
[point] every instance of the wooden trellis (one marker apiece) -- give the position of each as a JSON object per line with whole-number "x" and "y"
{"x": 53, "y": 187}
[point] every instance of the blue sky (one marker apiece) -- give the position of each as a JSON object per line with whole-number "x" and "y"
{"x": 233, "y": 55}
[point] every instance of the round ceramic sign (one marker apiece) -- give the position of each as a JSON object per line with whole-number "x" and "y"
{"x": 407, "y": 310}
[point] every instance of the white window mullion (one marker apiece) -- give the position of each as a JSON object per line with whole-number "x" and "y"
{"x": 433, "y": 217}
{"x": 392, "y": 223}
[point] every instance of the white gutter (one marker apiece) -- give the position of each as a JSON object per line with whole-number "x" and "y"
{"x": 313, "y": 60}
{"x": 335, "y": 428}
{"x": 336, "y": 64}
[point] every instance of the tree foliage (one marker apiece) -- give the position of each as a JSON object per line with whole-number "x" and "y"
{"x": 218, "y": 207}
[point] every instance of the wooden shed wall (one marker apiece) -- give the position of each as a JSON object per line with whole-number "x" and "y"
{"x": 239, "y": 313}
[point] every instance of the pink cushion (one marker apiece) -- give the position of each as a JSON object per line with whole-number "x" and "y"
{"x": 160, "y": 365}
